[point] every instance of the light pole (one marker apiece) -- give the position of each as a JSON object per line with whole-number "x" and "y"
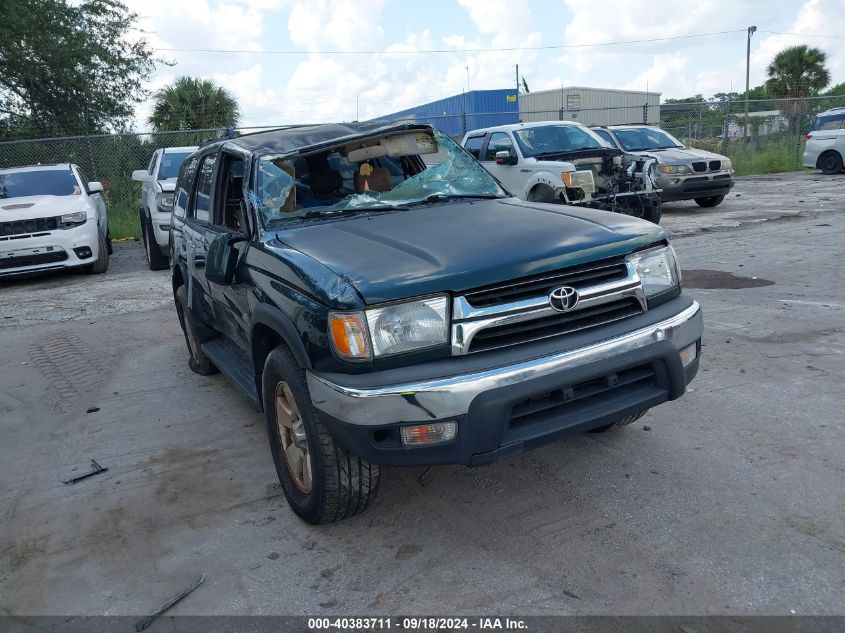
{"x": 751, "y": 30}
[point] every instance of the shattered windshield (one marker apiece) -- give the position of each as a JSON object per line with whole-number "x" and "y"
{"x": 371, "y": 178}
{"x": 636, "y": 139}
{"x": 547, "y": 140}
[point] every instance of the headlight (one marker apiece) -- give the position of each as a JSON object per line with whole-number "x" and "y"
{"x": 726, "y": 164}
{"x": 164, "y": 202}
{"x": 579, "y": 180}
{"x": 74, "y": 219}
{"x": 391, "y": 329}
{"x": 404, "y": 327}
{"x": 658, "y": 270}
{"x": 674, "y": 169}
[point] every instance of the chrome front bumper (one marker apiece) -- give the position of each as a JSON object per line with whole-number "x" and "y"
{"x": 451, "y": 396}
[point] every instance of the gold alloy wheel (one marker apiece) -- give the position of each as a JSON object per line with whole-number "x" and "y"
{"x": 292, "y": 433}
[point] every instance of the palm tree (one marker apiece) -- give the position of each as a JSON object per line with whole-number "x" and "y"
{"x": 190, "y": 103}
{"x": 797, "y": 71}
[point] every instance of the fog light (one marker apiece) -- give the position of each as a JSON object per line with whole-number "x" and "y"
{"x": 427, "y": 434}
{"x": 688, "y": 355}
{"x": 82, "y": 252}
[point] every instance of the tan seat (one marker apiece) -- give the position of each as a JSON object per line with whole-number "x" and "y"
{"x": 379, "y": 180}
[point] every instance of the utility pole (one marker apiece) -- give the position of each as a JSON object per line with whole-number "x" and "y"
{"x": 467, "y": 78}
{"x": 517, "y": 80}
{"x": 357, "y": 109}
{"x": 751, "y": 30}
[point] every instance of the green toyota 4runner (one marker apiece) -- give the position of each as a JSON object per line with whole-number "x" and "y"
{"x": 385, "y": 301}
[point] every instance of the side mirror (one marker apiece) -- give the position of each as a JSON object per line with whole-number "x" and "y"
{"x": 141, "y": 175}
{"x": 505, "y": 158}
{"x": 222, "y": 259}
{"x": 95, "y": 187}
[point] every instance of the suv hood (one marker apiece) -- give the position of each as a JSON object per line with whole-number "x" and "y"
{"x": 680, "y": 155}
{"x": 456, "y": 246}
{"x": 32, "y": 207}
{"x": 167, "y": 185}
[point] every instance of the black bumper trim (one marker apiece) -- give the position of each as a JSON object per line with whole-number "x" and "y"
{"x": 485, "y": 434}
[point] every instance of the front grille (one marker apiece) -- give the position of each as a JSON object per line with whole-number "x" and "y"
{"x": 715, "y": 165}
{"x": 36, "y": 225}
{"x": 32, "y": 260}
{"x": 553, "y": 325}
{"x": 578, "y": 277}
{"x": 699, "y": 166}
{"x": 573, "y": 403}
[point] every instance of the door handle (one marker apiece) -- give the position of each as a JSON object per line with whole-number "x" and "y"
{"x": 199, "y": 261}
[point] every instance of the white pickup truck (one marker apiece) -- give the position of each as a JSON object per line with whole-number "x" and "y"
{"x": 567, "y": 163}
{"x": 157, "y": 184}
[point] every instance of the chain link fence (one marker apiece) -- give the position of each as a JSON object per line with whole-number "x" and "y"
{"x": 769, "y": 139}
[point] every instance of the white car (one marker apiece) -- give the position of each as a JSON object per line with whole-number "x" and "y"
{"x": 567, "y": 163}
{"x": 825, "y": 146}
{"x": 52, "y": 217}
{"x": 157, "y": 184}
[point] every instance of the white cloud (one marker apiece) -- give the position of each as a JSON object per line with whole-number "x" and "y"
{"x": 315, "y": 87}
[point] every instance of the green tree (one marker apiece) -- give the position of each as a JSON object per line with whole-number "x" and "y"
{"x": 70, "y": 68}
{"x": 797, "y": 71}
{"x": 193, "y": 104}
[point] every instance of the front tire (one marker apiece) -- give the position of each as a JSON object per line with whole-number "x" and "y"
{"x": 102, "y": 264}
{"x": 712, "y": 201}
{"x": 542, "y": 193}
{"x": 198, "y": 361}
{"x": 830, "y": 163}
{"x": 155, "y": 260}
{"x": 323, "y": 482}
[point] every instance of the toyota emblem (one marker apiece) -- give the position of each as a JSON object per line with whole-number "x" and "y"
{"x": 563, "y": 299}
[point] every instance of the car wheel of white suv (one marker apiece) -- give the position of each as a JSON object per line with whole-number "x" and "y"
{"x": 102, "y": 264}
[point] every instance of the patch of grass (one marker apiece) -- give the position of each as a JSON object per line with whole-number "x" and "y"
{"x": 778, "y": 156}
{"x": 774, "y": 156}
{"x": 124, "y": 222}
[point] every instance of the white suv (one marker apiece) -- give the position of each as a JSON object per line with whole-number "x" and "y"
{"x": 52, "y": 217}
{"x": 157, "y": 184}
{"x": 825, "y": 146}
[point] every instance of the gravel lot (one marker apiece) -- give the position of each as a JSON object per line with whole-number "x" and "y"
{"x": 732, "y": 503}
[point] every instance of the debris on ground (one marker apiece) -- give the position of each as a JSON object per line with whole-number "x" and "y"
{"x": 97, "y": 469}
{"x": 142, "y": 624}
{"x": 92, "y": 409}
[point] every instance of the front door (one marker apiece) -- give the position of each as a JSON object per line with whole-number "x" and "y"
{"x": 230, "y": 217}
{"x": 509, "y": 175}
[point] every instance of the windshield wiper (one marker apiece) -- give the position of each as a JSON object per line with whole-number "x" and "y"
{"x": 324, "y": 213}
{"x": 440, "y": 197}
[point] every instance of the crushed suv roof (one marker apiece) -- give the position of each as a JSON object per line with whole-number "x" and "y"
{"x": 294, "y": 138}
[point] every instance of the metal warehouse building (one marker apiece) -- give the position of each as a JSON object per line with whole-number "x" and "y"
{"x": 468, "y": 111}
{"x": 591, "y": 106}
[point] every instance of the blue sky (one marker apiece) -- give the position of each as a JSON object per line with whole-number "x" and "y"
{"x": 318, "y": 85}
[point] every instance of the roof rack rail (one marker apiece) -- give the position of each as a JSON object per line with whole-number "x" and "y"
{"x": 227, "y": 134}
